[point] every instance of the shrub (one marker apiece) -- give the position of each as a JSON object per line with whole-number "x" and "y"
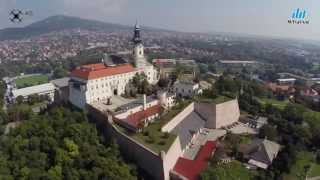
{"x": 145, "y": 133}
{"x": 165, "y": 135}
{"x": 150, "y": 139}
{"x": 161, "y": 142}
{"x": 318, "y": 157}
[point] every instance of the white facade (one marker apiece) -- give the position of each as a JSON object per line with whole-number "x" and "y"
{"x": 138, "y": 53}
{"x": 47, "y": 89}
{"x": 167, "y": 100}
{"x": 151, "y": 72}
{"x": 84, "y": 92}
{"x": 143, "y": 65}
{"x": 185, "y": 89}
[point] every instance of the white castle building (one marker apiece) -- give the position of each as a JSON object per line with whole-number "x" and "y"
{"x": 99, "y": 82}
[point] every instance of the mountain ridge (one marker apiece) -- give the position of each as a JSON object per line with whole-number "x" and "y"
{"x": 58, "y": 23}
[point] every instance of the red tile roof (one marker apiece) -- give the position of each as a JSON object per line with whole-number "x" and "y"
{"x": 93, "y": 71}
{"x": 134, "y": 119}
{"x": 275, "y": 87}
{"x": 191, "y": 169}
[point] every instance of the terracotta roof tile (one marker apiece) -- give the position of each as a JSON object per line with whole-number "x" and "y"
{"x": 133, "y": 120}
{"x": 94, "y": 71}
{"x": 191, "y": 169}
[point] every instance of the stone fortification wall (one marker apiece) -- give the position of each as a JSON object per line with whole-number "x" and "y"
{"x": 218, "y": 115}
{"x": 146, "y": 159}
{"x": 178, "y": 118}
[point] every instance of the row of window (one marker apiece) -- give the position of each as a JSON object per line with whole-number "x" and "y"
{"x": 109, "y": 84}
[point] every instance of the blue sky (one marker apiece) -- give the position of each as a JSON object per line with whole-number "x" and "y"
{"x": 260, "y": 17}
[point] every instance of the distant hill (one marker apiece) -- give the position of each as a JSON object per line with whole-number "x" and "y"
{"x": 57, "y": 23}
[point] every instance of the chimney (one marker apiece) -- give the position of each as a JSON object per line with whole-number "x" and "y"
{"x": 144, "y": 102}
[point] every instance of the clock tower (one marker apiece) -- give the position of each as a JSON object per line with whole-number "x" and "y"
{"x": 138, "y": 50}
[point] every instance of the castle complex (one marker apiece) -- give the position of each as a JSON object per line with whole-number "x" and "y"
{"x": 166, "y": 137}
{"x": 98, "y": 82}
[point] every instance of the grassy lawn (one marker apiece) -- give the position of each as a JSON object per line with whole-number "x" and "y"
{"x": 165, "y": 118}
{"x": 230, "y": 171}
{"x": 31, "y": 81}
{"x": 217, "y": 100}
{"x": 152, "y": 137}
{"x": 298, "y": 171}
{"x": 314, "y": 171}
{"x": 277, "y": 103}
{"x": 245, "y": 139}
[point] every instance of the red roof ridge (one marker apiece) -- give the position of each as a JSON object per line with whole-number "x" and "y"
{"x": 134, "y": 119}
{"x": 98, "y": 70}
{"x": 192, "y": 168}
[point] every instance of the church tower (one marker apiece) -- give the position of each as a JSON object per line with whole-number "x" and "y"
{"x": 138, "y": 51}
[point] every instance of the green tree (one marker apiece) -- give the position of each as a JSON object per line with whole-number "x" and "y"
{"x": 55, "y": 173}
{"x": 203, "y": 68}
{"x": 71, "y": 147}
{"x": 59, "y": 144}
{"x": 294, "y": 113}
{"x": 269, "y": 132}
{"x": 19, "y": 99}
{"x": 212, "y": 68}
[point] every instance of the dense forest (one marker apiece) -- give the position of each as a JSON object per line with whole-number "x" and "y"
{"x": 59, "y": 144}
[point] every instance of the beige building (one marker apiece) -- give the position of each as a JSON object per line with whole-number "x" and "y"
{"x": 221, "y": 114}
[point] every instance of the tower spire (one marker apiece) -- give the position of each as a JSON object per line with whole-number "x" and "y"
{"x": 137, "y": 26}
{"x": 136, "y": 38}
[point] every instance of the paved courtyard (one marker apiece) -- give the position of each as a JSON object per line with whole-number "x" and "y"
{"x": 241, "y": 128}
{"x": 116, "y": 101}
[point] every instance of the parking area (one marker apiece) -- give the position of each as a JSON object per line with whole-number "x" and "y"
{"x": 241, "y": 128}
